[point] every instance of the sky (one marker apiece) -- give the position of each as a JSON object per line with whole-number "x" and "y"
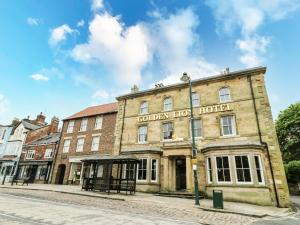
{"x": 61, "y": 56}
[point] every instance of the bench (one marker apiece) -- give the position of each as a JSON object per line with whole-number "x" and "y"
{"x": 23, "y": 181}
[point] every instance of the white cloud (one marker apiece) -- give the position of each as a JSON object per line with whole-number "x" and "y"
{"x": 4, "y": 104}
{"x": 97, "y": 5}
{"x": 32, "y": 21}
{"x": 100, "y": 94}
{"x": 80, "y": 23}
{"x": 126, "y": 51}
{"x": 247, "y": 17}
{"x": 251, "y": 50}
{"x": 39, "y": 77}
{"x": 59, "y": 34}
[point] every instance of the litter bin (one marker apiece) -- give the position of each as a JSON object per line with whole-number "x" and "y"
{"x": 218, "y": 199}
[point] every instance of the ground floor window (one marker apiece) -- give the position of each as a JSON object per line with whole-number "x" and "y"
{"x": 75, "y": 172}
{"x": 42, "y": 172}
{"x": 154, "y": 170}
{"x": 223, "y": 169}
{"x": 142, "y": 169}
{"x": 242, "y": 166}
{"x": 259, "y": 170}
{"x": 209, "y": 170}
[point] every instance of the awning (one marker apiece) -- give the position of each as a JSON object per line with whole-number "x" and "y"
{"x": 35, "y": 163}
{"x": 111, "y": 158}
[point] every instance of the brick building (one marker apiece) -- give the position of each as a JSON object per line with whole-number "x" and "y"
{"x": 237, "y": 147}
{"x": 89, "y": 132}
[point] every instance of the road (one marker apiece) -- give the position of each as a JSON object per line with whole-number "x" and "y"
{"x": 20, "y": 209}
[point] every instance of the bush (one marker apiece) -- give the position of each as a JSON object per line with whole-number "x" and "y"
{"x": 292, "y": 170}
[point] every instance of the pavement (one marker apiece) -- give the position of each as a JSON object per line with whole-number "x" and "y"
{"x": 142, "y": 208}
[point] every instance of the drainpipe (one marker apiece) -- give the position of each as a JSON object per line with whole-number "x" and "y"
{"x": 261, "y": 141}
{"x": 120, "y": 145}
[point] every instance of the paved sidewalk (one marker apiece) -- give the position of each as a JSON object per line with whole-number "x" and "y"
{"x": 206, "y": 204}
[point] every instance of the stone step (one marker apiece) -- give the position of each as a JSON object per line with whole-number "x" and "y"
{"x": 178, "y": 195}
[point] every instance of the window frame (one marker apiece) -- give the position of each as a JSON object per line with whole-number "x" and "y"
{"x": 92, "y": 144}
{"x": 201, "y": 127}
{"x": 209, "y": 171}
{"x": 199, "y": 103}
{"x": 163, "y": 136}
{"x": 48, "y": 156}
{"x": 142, "y": 108}
{"x": 64, "y": 150}
{"x": 261, "y": 169}
{"x": 79, "y": 150}
{"x": 146, "y": 138}
{"x": 234, "y": 130}
{"x": 83, "y": 125}
{"x": 250, "y": 170}
{"x": 229, "y": 167}
{"x": 164, "y": 104}
{"x": 138, "y": 168}
{"x": 229, "y": 94}
{"x": 30, "y": 153}
{"x": 97, "y": 122}
{"x": 69, "y": 131}
{"x": 156, "y": 170}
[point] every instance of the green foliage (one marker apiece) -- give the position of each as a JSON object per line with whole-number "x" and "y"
{"x": 288, "y": 132}
{"x": 292, "y": 170}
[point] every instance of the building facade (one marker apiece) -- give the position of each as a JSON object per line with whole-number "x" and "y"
{"x": 237, "y": 147}
{"x": 38, "y": 155}
{"x": 89, "y": 132}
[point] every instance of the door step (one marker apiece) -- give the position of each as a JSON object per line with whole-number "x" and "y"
{"x": 178, "y": 195}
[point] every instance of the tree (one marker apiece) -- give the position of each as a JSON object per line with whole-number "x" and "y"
{"x": 288, "y": 132}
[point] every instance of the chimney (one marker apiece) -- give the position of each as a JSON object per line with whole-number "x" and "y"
{"x": 15, "y": 122}
{"x": 40, "y": 119}
{"x": 54, "y": 125}
{"x": 134, "y": 89}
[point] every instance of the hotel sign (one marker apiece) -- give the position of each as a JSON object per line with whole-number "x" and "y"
{"x": 185, "y": 113}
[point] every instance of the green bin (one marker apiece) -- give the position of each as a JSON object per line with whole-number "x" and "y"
{"x": 218, "y": 199}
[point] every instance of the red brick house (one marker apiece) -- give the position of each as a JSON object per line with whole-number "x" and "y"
{"x": 38, "y": 153}
{"x": 88, "y": 132}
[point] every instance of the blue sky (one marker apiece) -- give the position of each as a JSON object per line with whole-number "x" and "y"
{"x": 58, "y": 57}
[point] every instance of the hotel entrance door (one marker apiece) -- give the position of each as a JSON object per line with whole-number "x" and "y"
{"x": 180, "y": 174}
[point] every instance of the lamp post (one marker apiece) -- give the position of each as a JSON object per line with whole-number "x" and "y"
{"x": 186, "y": 78}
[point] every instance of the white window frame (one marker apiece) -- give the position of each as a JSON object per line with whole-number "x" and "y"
{"x": 3, "y": 134}
{"x": 138, "y": 166}
{"x": 194, "y": 99}
{"x": 230, "y": 173}
{"x": 98, "y": 122}
{"x": 92, "y": 147}
{"x": 221, "y": 95}
{"x": 171, "y": 103}
{"x": 163, "y": 136}
{"x": 250, "y": 169}
{"x": 71, "y": 125}
{"x": 77, "y": 145}
{"x": 83, "y": 124}
{"x": 30, "y": 154}
{"x": 233, "y": 125}
{"x": 209, "y": 170}
{"x": 66, "y": 150}
{"x": 140, "y": 141}
{"x": 48, "y": 153}
{"x": 201, "y": 127}
{"x": 261, "y": 170}
{"x": 144, "y": 106}
{"x": 155, "y": 169}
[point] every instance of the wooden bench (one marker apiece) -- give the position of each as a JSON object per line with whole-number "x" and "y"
{"x": 23, "y": 181}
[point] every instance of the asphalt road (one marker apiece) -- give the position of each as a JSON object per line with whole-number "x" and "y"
{"x": 16, "y": 209}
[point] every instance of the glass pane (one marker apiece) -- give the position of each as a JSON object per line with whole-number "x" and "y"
{"x": 209, "y": 163}
{"x": 220, "y": 175}
{"x": 238, "y": 162}
{"x": 257, "y": 165}
{"x": 219, "y": 162}
{"x": 240, "y": 176}
{"x": 225, "y": 162}
{"x": 227, "y": 175}
{"x": 245, "y": 162}
{"x": 259, "y": 177}
{"x": 247, "y": 175}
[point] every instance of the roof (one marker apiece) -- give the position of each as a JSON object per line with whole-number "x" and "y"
{"x": 95, "y": 110}
{"x": 29, "y": 126}
{"x": 229, "y": 75}
{"x": 49, "y": 139}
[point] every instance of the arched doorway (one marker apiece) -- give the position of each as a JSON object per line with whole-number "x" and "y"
{"x": 60, "y": 174}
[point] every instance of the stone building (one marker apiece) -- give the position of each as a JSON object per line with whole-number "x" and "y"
{"x": 237, "y": 147}
{"x": 89, "y": 132}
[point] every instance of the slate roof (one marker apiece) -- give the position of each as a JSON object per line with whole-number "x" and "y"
{"x": 49, "y": 139}
{"x": 30, "y": 126}
{"x": 95, "y": 110}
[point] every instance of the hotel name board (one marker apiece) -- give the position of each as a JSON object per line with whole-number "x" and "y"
{"x": 185, "y": 113}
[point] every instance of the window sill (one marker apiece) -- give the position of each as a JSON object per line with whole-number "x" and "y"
{"x": 229, "y": 136}
{"x": 167, "y": 140}
{"x": 142, "y": 143}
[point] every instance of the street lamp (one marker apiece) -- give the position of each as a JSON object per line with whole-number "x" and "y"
{"x": 186, "y": 78}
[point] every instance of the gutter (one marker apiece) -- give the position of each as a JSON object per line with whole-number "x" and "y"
{"x": 261, "y": 141}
